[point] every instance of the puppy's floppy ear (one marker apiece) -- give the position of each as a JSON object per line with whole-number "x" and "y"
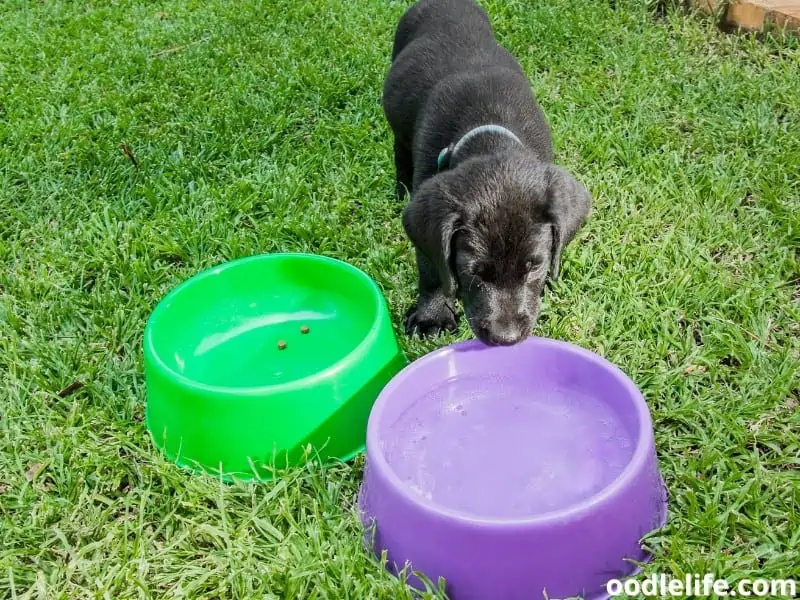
{"x": 568, "y": 206}
{"x": 430, "y": 221}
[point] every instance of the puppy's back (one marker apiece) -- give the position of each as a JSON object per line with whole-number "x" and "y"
{"x": 436, "y": 42}
{"x": 442, "y": 18}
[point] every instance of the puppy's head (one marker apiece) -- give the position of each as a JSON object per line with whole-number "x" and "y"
{"x": 494, "y": 229}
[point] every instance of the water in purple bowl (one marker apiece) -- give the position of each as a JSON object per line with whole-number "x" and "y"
{"x": 537, "y": 449}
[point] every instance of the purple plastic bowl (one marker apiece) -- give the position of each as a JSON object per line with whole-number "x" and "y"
{"x": 515, "y": 473}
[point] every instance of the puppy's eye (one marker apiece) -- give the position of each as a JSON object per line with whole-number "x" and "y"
{"x": 534, "y": 264}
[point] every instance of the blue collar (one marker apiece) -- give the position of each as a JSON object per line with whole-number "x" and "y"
{"x": 447, "y": 153}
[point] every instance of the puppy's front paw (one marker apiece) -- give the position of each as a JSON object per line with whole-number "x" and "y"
{"x": 429, "y": 318}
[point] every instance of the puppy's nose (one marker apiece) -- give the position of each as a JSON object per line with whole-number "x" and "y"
{"x": 501, "y": 336}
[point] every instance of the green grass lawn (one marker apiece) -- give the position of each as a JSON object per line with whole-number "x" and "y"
{"x": 257, "y": 127}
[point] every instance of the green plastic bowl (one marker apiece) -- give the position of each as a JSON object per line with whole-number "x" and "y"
{"x": 250, "y": 364}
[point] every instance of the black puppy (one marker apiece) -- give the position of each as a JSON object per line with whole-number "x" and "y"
{"x": 489, "y": 212}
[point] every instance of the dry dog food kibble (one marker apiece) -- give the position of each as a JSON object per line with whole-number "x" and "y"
{"x": 281, "y": 345}
{"x": 305, "y": 329}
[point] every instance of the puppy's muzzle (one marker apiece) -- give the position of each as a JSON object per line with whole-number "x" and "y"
{"x": 505, "y": 332}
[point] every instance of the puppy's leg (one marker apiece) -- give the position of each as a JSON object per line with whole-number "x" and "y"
{"x": 434, "y": 311}
{"x": 404, "y": 167}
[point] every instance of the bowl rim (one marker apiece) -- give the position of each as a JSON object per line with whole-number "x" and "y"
{"x": 357, "y": 352}
{"x": 642, "y": 452}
